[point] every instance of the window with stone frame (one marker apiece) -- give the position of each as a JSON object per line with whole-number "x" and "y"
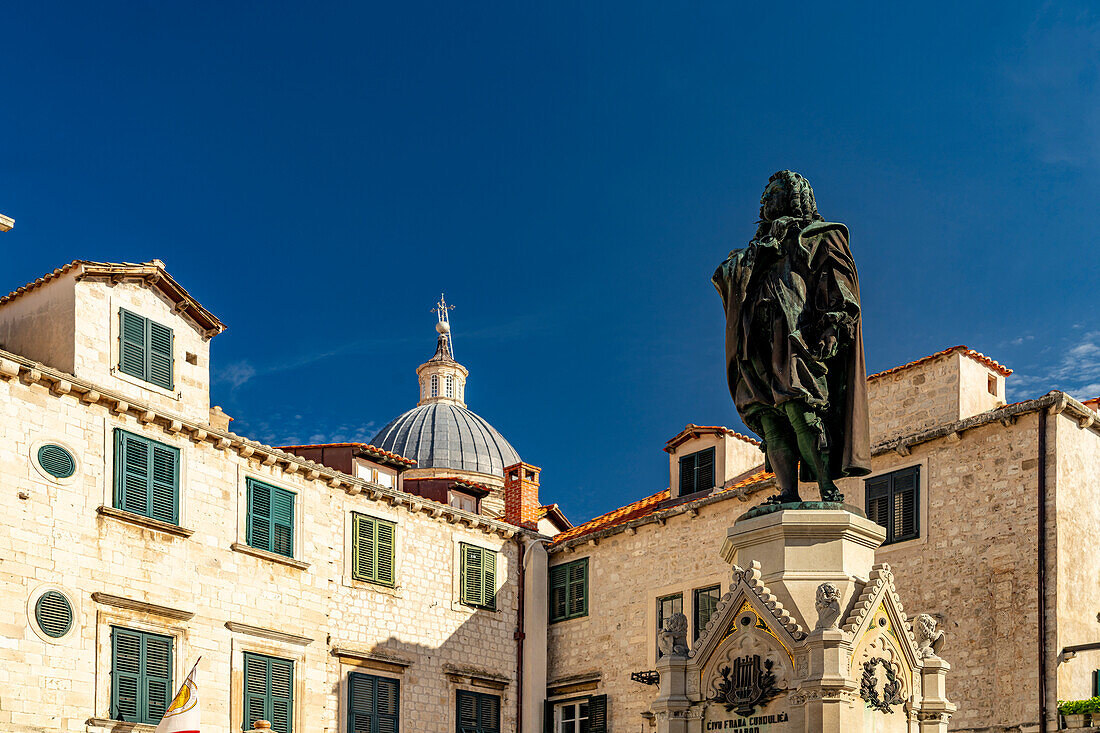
{"x": 893, "y": 501}
{"x": 145, "y": 349}
{"x": 141, "y": 675}
{"x": 268, "y": 692}
{"x": 478, "y": 577}
{"x": 147, "y": 477}
{"x": 578, "y": 715}
{"x": 477, "y": 712}
{"x": 373, "y": 703}
{"x": 705, "y": 603}
{"x": 697, "y": 472}
{"x": 668, "y": 606}
{"x": 569, "y": 590}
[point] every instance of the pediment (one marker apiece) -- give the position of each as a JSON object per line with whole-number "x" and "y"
{"x": 748, "y": 604}
{"x": 878, "y": 625}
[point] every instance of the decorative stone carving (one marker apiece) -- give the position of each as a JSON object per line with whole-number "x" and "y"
{"x": 828, "y": 606}
{"x": 929, "y": 639}
{"x": 748, "y": 685}
{"x": 891, "y": 688}
{"x": 672, "y": 639}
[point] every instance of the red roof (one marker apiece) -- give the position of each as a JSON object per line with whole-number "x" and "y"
{"x": 152, "y": 272}
{"x": 645, "y": 507}
{"x": 363, "y": 447}
{"x": 966, "y": 351}
{"x": 694, "y": 431}
{"x": 457, "y": 480}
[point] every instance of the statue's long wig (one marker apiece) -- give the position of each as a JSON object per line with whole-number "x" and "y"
{"x": 800, "y": 196}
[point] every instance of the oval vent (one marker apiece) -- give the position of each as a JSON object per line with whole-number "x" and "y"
{"x": 56, "y": 461}
{"x": 53, "y": 614}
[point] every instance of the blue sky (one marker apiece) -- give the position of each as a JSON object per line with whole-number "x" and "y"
{"x": 570, "y": 174}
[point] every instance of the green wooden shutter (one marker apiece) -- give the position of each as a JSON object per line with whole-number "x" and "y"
{"x": 467, "y": 712}
{"x": 362, "y": 551}
{"x": 559, "y": 592}
{"x": 146, "y": 477}
{"x": 158, "y": 676}
{"x": 488, "y": 713}
{"x": 489, "y": 578}
{"x": 125, "y": 675}
{"x": 383, "y": 545}
{"x": 282, "y": 688}
{"x": 578, "y": 589}
{"x": 372, "y": 551}
{"x": 160, "y": 355}
{"x": 133, "y": 344}
{"x": 141, "y": 675}
{"x": 259, "y": 515}
{"x": 472, "y": 576}
{"x": 373, "y": 704}
{"x": 268, "y": 692}
{"x": 597, "y": 714}
{"x": 388, "y": 705}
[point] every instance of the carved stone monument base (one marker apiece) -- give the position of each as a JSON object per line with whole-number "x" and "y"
{"x": 810, "y": 637}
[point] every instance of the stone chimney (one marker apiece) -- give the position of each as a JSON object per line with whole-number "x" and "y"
{"x": 521, "y": 495}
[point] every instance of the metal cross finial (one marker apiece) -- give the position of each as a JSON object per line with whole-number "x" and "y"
{"x": 441, "y": 309}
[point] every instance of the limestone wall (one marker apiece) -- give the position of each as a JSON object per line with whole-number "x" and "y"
{"x": 40, "y": 323}
{"x": 1076, "y": 487}
{"x": 915, "y": 398}
{"x": 97, "y": 342}
{"x": 973, "y": 564}
{"x": 217, "y": 598}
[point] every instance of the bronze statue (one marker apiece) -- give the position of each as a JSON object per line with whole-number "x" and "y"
{"x": 794, "y": 345}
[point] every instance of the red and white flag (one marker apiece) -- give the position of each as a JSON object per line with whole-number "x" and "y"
{"x": 182, "y": 715}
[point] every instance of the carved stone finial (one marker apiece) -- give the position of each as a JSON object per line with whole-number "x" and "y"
{"x": 828, "y": 606}
{"x": 929, "y": 639}
{"x": 672, "y": 639}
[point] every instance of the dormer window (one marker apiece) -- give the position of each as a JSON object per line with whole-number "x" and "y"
{"x": 463, "y": 501}
{"x": 697, "y": 472}
{"x": 435, "y": 385}
{"x": 145, "y": 349}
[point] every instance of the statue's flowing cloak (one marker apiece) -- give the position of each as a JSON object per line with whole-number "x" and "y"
{"x": 780, "y": 296}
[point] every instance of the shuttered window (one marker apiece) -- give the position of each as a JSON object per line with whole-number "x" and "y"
{"x": 586, "y": 715}
{"x": 477, "y": 712}
{"x": 268, "y": 692}
{"x": 372, "y": 549}
{"x": 893, "y": 502}
{"x": 697, "y": 472}
{"x": 146, "y": 477}
{"x": 373, "y": 704}
{"x": 479, "y": 577}
{"x": 141, "y": 675}
{"x": 569, "y": 590}
{"x": 145, "y": 349}
{"x": 270, "y": 518}
{"x": 706, "y": 601}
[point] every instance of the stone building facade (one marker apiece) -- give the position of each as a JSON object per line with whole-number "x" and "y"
{"x": 139, "y": 534}
{"x": 990, "y": 509}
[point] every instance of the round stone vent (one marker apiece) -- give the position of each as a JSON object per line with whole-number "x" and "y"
{"x": 56, "y": 461}
{"x": 53, "y": 614}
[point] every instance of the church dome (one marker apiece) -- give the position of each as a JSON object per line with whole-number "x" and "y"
{"x": 440, "y": 432}
{"x": 444, "y": 435}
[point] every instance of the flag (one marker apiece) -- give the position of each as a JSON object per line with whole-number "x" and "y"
{"x": 183, "y": 714}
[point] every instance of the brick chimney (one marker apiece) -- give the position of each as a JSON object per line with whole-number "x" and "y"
{"x": 521, "y": 495}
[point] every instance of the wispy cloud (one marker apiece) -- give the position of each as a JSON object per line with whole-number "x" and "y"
{"x": 288, "y": 429}
{"x": 1056, "y": 80}
{"x": 1075, "y": 370}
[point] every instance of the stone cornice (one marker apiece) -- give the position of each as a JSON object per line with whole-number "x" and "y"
{"x": 59, "y": 384}
{"x": 1057, "y": 402}
{"x": 371, "y": 655}
{"x": 130, "y": 604}
{"x": 239, "y": 628}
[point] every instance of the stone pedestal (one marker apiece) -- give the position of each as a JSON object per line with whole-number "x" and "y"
{"x": 810, "y": 637}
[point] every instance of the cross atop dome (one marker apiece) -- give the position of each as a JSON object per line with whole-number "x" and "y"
{"x": 445, "y": 349}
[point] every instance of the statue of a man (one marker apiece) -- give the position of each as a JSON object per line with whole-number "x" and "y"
{"x": 794, "y": 345}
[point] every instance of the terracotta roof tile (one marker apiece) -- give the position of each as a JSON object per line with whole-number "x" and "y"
{"x": 638, "y": 509}
{"x": 749, "y": 480}
{"x": 967, "y": 351}
{"x": 692, "y": 431}
{"x": 152, "y": 272}
{"x": 364, "y": 447}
